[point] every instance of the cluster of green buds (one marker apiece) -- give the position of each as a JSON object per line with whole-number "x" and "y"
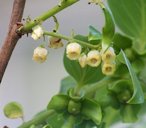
{"x": 93, "y": 58}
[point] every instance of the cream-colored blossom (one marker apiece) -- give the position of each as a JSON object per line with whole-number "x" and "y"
{"x": 108, "y": 68}
{"x": 83, "y": 60}
{"x": 40, "y": 54}
{"x": 55, "y": 42}
{"x": 93, "y": 58}
{"x": 37, "y": 32}
{"x": 109, "y": 55}
{"x": 73, "y": 51}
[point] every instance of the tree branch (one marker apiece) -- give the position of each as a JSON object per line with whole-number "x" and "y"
{"x": 12, "y": 37}
{"x": 38, "y": 20}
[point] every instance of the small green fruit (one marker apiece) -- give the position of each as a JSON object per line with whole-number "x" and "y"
{"x": 74, "y": 107}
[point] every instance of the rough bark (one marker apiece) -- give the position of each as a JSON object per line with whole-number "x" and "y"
{"x": 12, "y": 37}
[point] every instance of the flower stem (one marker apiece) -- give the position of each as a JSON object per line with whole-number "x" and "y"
{"x": 37, "y": 120}
{"x": 28, "y": 26}
{"x": 71, "y": 39}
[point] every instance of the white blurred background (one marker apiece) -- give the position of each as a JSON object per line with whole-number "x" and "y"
{"x": 30, "y": 83}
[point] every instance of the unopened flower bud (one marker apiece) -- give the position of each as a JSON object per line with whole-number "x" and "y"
{"x": 55, "y": 42}
{"x": 83, "y": 60}
{"x": 108, "y": 68}
{"x": 73, "y": 51}
{"x": 109, "y": 55}
{"x": 40, "y": 54}
{"x": 37, "y": 32}
{"x": 93, "y": 58}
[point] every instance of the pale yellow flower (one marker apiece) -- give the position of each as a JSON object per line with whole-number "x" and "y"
{"x": 109, "y": 55}
{"x": 40, "y": 54}
{"x": 93, "y": 58}
{"x": 55, "y": 42}
{"x": 83, "y": 60}
{"x": 108, "y": 68}
{"x": 37, "y": 32}
{"x": 73, "y": 51}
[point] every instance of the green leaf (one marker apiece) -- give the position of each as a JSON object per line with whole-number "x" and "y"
{"x": 13, "y": 110}
{"x": 92, "y": 111}
{"x": 86, "y": 39}
{"x": 130, "y": 16}
{"x": 56, "y": 120}
{"x": 138, "y": 96}
{"x": 38, "y": 126}
{"x": 138, "y": 65}
{"x": 104, "y": 98}
{"x": 70, "y": 122}
{"x": 59, "y": 102}
{"x": 121, "y": 42}
{"x": 129, "y": 113}
{"x": 111, "y": 116}
{"x": 94, "y": 34}
{"x": 32, "y": 126}
{"x": 82, "y": 38}
{"x": 67, "y": 83}
{"x": 143, "y": 74}
{"x": 86, "y": 124}
{"x": 47, "y": 126}
{"x": 85, "y": 75}
{"x": 109, "y": 28}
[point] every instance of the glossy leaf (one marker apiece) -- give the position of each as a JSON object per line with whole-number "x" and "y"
{"x": 109, "y": 28}
{"x": 58, "y": 102}
{"x": 94, "y": 34}
{"x": 85, "y": 75}
{"x": 66, "y": 84}
{"x": 92, "y": 111}
{"x": 13, "y": 110}
{"x": 129, "y": 113}
{"x": 137, "y": 96}
{"x": 130, "y": 17}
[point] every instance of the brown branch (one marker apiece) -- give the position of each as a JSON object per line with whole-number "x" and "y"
{"x": 12, "y": 37}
